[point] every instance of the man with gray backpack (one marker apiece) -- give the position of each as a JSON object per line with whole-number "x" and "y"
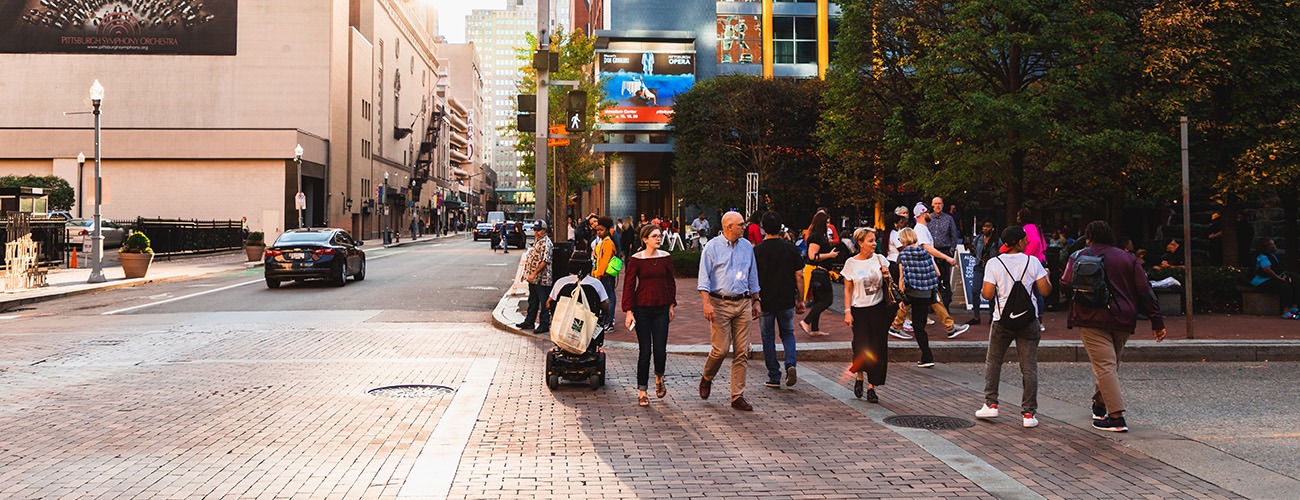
{"x": 1007, "y": 279}
{"x": 1108, "y": 287}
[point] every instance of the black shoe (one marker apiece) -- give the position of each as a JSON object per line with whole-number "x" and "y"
{"x": 1098, "y": 411}
{"x": 542, "y": 331}
{"x": 871, "y": 396}
{"x": 857, "y": 388}
{"x": 774, "y": 384}
{"x": 706, "y": 387}
{"x": 1113, "y": 424}
{"x": 524, "y": 326}
{"x": 975, "y": 321}
{"x": 742, "y": 405}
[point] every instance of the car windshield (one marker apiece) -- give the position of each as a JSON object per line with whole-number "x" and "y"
{"x": 311, "y": 237}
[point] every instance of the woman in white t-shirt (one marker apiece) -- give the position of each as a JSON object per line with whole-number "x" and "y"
{"x": 867, "y": 312}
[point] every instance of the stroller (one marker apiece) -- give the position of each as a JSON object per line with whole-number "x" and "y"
{"x": 589, "y": 366}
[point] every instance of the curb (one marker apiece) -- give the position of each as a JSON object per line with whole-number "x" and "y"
{"x": 1051, "y": 351}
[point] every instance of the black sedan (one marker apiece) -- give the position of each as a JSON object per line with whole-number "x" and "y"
{"x": 301, "y": 254}
{"x": 483, "y": 230}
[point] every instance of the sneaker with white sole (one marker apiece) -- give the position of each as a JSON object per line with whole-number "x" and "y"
{"x": 899, "y": 334}
{"x": 1098, "y": 411}
{"x": 957, "y": 330}
{"x": 907, "y": 325}
{"x": 988, "y": 411}
{"x": 1030, "y": 420}
{"x": 1112, "y": 424}
{"x": 925, "y": 364}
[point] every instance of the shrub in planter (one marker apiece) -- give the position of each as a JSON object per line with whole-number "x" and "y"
{"x": 255, "y": 239}
{"x": 1214, "y": 288}
{"x": 686, "y": 264}
{"x": 136, "y": 255}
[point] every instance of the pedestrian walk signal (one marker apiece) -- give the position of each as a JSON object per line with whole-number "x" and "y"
{"x": 575, "y": 116}
{"x": 525, "y": 116}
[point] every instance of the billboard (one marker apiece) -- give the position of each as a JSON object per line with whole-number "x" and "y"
{"x": 644, "y": 84}
{"x": 176, "y": 27}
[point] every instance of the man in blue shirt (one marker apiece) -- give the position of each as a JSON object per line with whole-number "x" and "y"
{"x": 728, "y": 286}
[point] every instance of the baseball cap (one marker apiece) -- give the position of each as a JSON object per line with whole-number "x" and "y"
{"x": 539, "y": 224}
{"x": 1012, "y": 235}
{"x": 919, "y": 209}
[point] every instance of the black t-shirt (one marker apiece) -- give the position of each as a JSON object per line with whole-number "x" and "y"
{"x": 823, "y": 246}
{"x": 777, "y": 261}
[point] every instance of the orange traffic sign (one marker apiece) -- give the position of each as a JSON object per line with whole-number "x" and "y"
{"x": 557, "y": 130}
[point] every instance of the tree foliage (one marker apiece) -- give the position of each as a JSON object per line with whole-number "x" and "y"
{"x": 61, "y": 193}
{"x": 735, "y": 124}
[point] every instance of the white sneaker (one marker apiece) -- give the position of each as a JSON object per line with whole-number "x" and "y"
{"x": 987, "y": 411}
{"x": 907, "y": 326}
{"x": 957, "y": 330}
{"x": 1030, "y": 420}
{"x": 929, "y": 321}
{"x": 899, "y": 334}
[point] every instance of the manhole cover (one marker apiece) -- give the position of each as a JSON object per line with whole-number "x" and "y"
{"x": 103, "y": 342}
{"x": 411, "y": 391}
{"x": 929, "y": 422}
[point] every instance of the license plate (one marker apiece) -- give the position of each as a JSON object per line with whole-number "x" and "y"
{"x": 296, "y": 255}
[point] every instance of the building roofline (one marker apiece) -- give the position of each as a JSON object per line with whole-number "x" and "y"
{"x": 603, "y": 37}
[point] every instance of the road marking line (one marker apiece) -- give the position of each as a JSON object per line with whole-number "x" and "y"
{"x": 435, "y": 467}
{"x": 985, "y": 476}
{"x": 183, "y": 297}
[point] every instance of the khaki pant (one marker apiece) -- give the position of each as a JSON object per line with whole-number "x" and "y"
{"x": 939, "y": 310}
{"x": 1104, "y": 349}
{"x": 729, "y": 329}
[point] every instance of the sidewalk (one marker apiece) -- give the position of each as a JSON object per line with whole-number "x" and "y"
{"x": 1217, "y": 337}
{"x": 65, "y": 282}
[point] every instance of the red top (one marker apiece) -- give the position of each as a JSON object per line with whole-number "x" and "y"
{"x": 648, "y": 282}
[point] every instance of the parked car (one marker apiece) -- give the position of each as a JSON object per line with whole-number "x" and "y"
{"x": 59, "y": 214}
{"x": 516, "y": 239}
{"x": 80, "y": 229}
{"x": 483, "y": 230}
{"x": 317, "y": 253}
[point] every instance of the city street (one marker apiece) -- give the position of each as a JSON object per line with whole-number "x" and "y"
{"x": 217, "y": 387}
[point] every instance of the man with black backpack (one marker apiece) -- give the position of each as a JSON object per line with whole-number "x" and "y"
{"x": 1108, "y": 287}
{"x": 1007, "y": 279}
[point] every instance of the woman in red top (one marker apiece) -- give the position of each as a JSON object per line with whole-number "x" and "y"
{"x": 650, "y": 295}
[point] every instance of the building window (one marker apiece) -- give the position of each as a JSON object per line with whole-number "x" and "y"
{"x": 794, "y": 40}
{"x": 740, "y": 39}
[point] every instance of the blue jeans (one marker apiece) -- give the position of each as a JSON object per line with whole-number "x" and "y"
{"x": 608, "y": 281}
{"x": 537, "y": 295}
{"x": 770, "y": 322}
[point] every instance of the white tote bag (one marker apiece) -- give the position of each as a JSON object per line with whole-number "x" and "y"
{"x": 573, "y": 323}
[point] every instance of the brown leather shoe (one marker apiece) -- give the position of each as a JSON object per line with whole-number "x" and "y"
{"x": 742, "y": 405}
{"x": 706, "y": 387}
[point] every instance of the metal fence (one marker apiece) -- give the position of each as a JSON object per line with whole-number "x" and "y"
{"x": 175, "y": 236}
{"x": 49, "y": 233}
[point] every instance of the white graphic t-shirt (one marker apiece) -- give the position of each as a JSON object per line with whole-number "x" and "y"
{"x": 868, "y": 283}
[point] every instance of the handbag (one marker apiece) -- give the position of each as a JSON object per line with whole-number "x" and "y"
{"x": 893, "y": 296}
{"x": 615, "y": 265}
{"x": 573, "y": 324}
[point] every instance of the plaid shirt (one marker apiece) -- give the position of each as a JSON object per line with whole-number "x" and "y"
{"x": 538, "y": 255}
{"x": 918, "y": 268}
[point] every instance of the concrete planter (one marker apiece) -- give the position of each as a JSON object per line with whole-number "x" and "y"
{"x": 135, "y": 265}
{"x": 254, "y": 252}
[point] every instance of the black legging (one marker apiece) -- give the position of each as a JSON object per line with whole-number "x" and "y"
{"x": 652, "y": 335}
{"x": 1286, "y": 292}
{"x": 921, "y": 308}
{"x": 820, "y": 286}
{"x": 871, "y": 341}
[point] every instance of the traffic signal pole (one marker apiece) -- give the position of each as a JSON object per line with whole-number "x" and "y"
{"x": 540, "y": 174}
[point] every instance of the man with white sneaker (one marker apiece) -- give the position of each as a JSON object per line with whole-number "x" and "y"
{"x": 1015, "y": 317}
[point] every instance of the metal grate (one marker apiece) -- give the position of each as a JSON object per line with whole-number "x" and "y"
{"x": 929, "y": 422}
{"x": 411, "y": 391}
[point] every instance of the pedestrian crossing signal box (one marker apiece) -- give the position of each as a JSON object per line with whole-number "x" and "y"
{"x": 525, "y": 118}
{"x": 575, "y": 116}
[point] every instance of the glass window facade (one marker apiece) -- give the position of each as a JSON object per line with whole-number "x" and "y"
{"x": 794, "y": 40}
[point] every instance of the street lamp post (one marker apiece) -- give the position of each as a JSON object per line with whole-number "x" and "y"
{"x": 97, "y": 251}
{"x": 81, "y": 195}
{"x": 299, "y": 199}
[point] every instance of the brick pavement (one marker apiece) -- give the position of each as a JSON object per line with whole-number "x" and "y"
{"x": 244, "y": 405}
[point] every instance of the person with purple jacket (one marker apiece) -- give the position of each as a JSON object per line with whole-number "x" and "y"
{"x": 1105, "y": 330}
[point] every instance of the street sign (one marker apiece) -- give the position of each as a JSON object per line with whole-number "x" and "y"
{"x": 558, "y": 137}
{"x": 300, "y": 201}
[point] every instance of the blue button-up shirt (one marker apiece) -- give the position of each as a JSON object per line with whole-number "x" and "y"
{"x": 728, "y": 268}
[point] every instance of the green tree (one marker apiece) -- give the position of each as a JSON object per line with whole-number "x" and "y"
{"x": 61, "y": 193}
{"x": 578, "y": 161}
{"x": 734, "y": 124}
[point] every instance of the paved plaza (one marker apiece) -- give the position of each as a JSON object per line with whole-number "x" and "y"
{"x": 213, "y": 387}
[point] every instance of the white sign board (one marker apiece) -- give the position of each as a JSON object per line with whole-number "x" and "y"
{"x": 300, "y": 201}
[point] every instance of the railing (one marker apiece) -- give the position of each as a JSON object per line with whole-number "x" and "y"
{"x": 176, "y": 237}
{"x": 49, "y": 233}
